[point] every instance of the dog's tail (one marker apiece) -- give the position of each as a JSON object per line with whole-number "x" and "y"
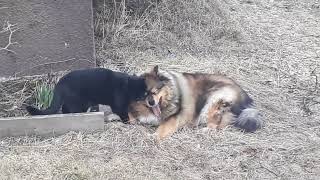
{"x": 52, "y": 109}
{"x": 249, "y": 120}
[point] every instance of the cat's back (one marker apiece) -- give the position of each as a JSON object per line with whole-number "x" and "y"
{"x": 86, "y": 77}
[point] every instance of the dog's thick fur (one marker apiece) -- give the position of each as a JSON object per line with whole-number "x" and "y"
{"x": 81, "y": 89}
{"x": 187, "y": 99}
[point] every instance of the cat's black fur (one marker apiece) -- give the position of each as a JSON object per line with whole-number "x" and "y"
{"x": 81, "y": 89}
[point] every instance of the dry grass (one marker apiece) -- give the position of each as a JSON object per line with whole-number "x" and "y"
{"x": 270, "y": 47}
{"x": 15, "y": 93}
{"x": 169, "y": 29}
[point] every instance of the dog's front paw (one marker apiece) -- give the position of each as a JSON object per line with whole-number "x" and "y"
{"x": 152, "y": 135}
{"x": 209, "y": 128}
{"x": 112, "y": 117}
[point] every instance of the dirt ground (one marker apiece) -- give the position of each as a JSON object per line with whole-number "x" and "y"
{"x": 48, "y": 36}
{"x": 271, "y": 48}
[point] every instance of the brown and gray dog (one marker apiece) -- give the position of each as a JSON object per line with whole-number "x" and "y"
{"x": 177, "y": 99}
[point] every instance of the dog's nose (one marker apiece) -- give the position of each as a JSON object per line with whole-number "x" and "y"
{"x": 151, "y": 101}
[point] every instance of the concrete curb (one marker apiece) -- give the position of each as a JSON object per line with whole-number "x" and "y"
{"x": 50, "y": 125}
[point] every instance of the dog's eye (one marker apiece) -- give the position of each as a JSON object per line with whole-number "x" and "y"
{"x": 154, "y": 91}
{"x": 160, "y": 85}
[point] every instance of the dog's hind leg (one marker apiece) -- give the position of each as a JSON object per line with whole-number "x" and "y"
{"x": 214, "y": 115}
{"x": 167, "y": 128}
{"x": 226, "y": 119}
{"x": 219, "y": 115}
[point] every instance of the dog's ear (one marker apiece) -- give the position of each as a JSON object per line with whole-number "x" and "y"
{"x": 155, "y": 70}
{"x": 163, "y": 79}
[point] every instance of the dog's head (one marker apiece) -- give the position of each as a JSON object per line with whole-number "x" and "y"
{"x": 140, "y": 113}
{"x": 156, "y": 90}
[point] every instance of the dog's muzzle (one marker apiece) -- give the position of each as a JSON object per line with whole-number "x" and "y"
{"x": 151, "y": 101}
{"x": 155, "y": 107}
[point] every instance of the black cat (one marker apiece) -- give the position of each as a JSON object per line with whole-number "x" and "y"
{"x": 81, "y": 89}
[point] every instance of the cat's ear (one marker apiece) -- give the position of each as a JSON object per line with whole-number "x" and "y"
{"x": 155, "y": 70}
